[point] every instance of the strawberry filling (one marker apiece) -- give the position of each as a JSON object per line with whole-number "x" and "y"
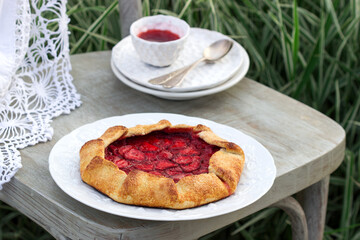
{"x": 170, "y": 153}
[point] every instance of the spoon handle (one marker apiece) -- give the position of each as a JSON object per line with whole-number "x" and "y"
{"x": 177, "y": 80}
{"x": 162, "y": 79}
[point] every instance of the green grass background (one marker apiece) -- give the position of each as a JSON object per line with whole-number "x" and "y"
{"x": 306, "y": 49}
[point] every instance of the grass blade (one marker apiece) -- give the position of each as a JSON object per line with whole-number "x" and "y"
{"x": 264, "y": 214}
{"x": 286, "y": 52}
{"x": 99, "y": 36}
{"x": 347, "y": 202}
{"x": 295, "y": 39}
{"x": 93, "y": 27}
{"x": 187, "y": 4}
{"x": 330, "y": 7}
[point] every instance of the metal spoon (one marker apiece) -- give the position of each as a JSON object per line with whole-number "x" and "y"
{"x": 162, "y": 79}
{"x": 212, "y": 53}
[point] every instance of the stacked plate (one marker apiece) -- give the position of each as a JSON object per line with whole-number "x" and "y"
{"x": 203, "y": 80}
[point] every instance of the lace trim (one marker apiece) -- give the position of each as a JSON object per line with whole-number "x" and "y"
{"x": 42, "y": 86}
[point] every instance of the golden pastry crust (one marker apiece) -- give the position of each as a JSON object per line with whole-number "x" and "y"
{"x": 146, "y": 189}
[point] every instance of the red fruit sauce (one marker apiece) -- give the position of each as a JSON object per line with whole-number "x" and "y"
{"x": 170, "y": 153}
{"x": 156, "y": 35}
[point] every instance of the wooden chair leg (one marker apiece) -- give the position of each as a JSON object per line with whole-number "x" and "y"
{"x": 297, "y": 217}
{"x": 314, "y": 202}
{"x": 130, "y": 11}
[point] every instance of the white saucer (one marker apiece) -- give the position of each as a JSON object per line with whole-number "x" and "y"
{"x": 239, "y": 75}
{"x": 204, "y": 76}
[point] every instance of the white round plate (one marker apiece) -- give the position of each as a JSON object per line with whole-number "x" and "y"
{"x": 258, "y": 174}
{"x": 239, "y": 75}
{"x": 204, "y": 76}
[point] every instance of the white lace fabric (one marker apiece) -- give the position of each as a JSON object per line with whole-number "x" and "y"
{"x": 35, "y": 81}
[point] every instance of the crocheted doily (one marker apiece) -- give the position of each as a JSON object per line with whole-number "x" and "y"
{"x": 37, "y": 85}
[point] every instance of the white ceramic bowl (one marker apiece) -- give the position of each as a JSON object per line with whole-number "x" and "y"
{"x": 159, "y": 54}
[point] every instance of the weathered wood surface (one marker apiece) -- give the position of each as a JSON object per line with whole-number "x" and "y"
{"x": 314, "y": 201}
{"x": 306, "y": 146}
{"x": 130, "y": 11}
{"x": 297, "y": 217}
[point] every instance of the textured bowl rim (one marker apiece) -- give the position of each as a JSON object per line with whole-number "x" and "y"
{"x": 187, "y": 32}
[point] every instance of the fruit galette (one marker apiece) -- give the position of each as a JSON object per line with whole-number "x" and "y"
{"x": 161, "y": 165}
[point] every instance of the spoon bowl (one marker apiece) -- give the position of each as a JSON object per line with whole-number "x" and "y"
{"x": 217, "y": 50}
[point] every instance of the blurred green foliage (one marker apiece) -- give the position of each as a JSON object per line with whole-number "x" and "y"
{"x": 306, "y": 49}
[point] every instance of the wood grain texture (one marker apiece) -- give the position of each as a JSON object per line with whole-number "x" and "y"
{"x": 130, "y": 11}
{"x": 314, "y": 201}
{"x": 297, "y": 217}
{"x": 306, "y": 145}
